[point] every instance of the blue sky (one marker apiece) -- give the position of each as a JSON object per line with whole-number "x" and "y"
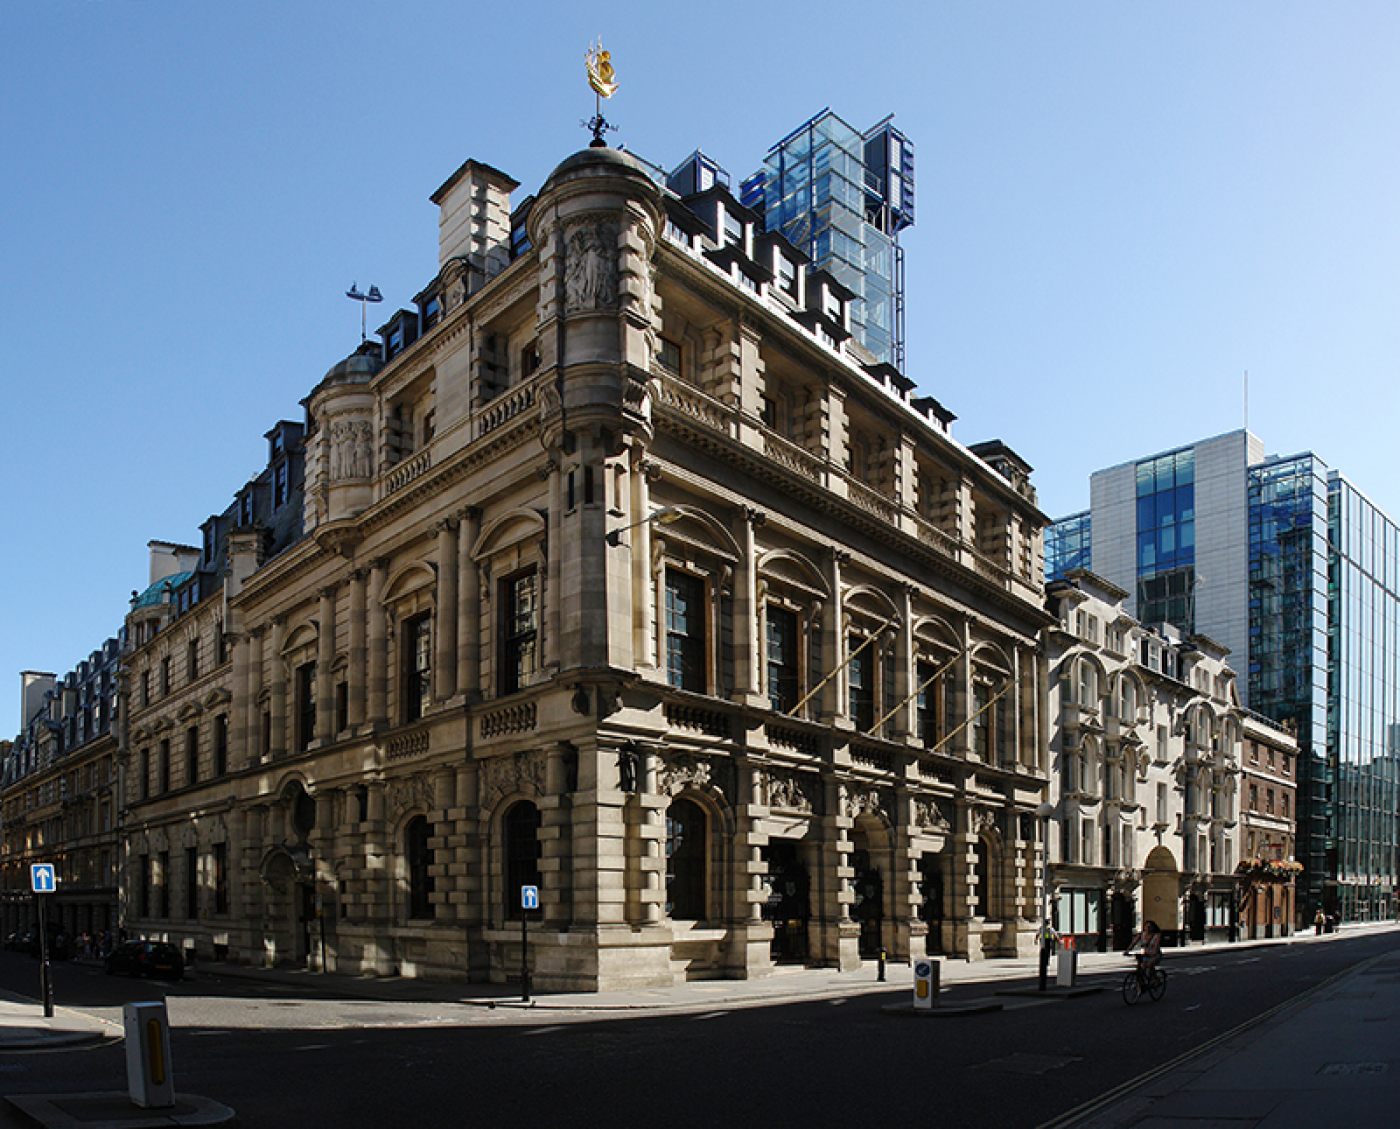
{"x": 1122, "y": 208}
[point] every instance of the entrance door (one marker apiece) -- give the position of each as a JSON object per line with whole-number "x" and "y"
{"x": 931, "y": 910}
{"x": 1121, "y": 916}
{"x": 868, "y": 910}
{"x": 788, "y": 907}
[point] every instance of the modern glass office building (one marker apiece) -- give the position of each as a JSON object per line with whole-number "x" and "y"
{"x": 843, "y": 197}
{"x": 1290, "y": 566}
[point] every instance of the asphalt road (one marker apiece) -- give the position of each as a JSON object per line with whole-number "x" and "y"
{"x": 283, "y": 1058}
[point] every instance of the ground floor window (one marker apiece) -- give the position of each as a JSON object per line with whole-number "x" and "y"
{"x": 1218, "y": 909}
{"x": 1080, "y": 911}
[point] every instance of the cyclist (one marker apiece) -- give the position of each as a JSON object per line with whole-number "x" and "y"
{"x": 1151, "y": 956}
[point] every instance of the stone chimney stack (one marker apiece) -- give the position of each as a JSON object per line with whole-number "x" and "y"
{"x": 474, "y": 221}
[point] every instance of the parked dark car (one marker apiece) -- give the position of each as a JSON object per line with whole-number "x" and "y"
{"x": 146, "y": 958}
{"x": 20, "y": 941}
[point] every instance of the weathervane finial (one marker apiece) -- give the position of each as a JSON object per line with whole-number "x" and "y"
{"x": 603, "y": 78}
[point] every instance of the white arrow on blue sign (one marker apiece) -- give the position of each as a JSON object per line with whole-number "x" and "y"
{"x": 42, "y": 878}
{"x": 529, "y": 897}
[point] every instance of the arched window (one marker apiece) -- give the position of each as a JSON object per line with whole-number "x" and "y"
{"x": 419, "y": 856}
{"x": 520, "y": 831}
{"x": 686, "y": 841}
{"x": 1127, "y": 701}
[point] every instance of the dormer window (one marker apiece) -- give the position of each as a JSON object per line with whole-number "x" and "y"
{"x": 395, "y": 341}
{"x": 831, "y": 305}
{"x": 733, "y": 231}
{"x": 432, "y": 310}
{"x": 787, "y": 274}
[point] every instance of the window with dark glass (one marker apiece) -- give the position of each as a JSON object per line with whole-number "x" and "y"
{"x": 930, "y": 704}
{"x": 192, "y": 755}
{"x": 861, "y": 680}
{"x": 280, "y": 484}
{"x": 685, "y": 861}
{"x": 191, "y": 883}
{"x": 165, "y": 676}
{"x": 221, "y": 878}
{"x": 417, "y": 667}
{"x": 520, "y": 631}
{"x": 419, "y": 855}
{"x": 165, "y": 765}
{"x": 520, "y": 829}
{"x": 342, "y": 706}
{"x": 192, "y": 660}
{"x": 668, "y": 356}
{"x": 145, "y": 774}
{"x": 163, "y": 885}
{"x": 221, "y": 744}
{"x": 306, "y": 704}
{"x": 148, "y": 882}
{"x": 783, "y": 670}
{"x": 685, "y": 631}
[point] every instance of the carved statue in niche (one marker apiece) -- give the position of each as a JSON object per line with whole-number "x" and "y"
{"x": 927, "y": 813}
{"x": 681, "y": 772}
{"x": 590, "y": 278}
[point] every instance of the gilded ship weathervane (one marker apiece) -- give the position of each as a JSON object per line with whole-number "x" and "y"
{"x": 603, "y": 79}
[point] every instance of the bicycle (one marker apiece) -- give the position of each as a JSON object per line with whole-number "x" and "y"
{"x": 1153, "y": 983}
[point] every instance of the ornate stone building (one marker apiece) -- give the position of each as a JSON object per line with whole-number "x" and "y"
{"x": 626, "y": 574}
{"x": 58, "y": 798}
{"x": 1145, "y": 731}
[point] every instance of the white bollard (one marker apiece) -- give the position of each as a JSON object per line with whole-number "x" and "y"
{"x": 1066, "y": 968}
{"x": 148, "y": 1075}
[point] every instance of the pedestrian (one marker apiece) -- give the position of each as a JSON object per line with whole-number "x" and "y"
{"x": 1319, "y": 921}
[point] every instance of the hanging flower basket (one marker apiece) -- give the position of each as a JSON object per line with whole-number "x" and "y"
{"x": 1271, "y": 870}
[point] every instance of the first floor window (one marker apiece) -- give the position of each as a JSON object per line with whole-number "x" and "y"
{"x": 520, "y": 631}
{"x": 221, "y": 878}
{"x": 685, "y": 631}
{"x": 783, "y": 670}
{"x": 306, "y": 704}
{"x": 417, "y": 667}
{"x": 861, "y": 681}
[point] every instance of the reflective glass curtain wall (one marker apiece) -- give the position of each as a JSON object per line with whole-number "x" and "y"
{"x": 1068, "y": 546}
{"x": 1288, "y": 639}
{"x": 1363, "y": 718}
{"x": 1166, "y": 539}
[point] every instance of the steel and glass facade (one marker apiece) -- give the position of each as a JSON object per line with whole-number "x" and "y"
{"x": 1202, "y": 533}
{"x": 1363, "y": 716}
{"x": 1288, "y": 633}
{"x": 1068, "y": 545}
{"x": 843, "y": 196}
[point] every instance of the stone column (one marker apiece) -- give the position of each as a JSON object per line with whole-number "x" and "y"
{"x": 445, "y": 627}
{"x": 253, "y": 692}
{"x": 355, "y": 673}
{"x": 833, "y": 701}
{"x": 378, "y": 647}
{"x": 325, "y": 657}
{"x": 468, "y": 606}
{"x": 244, "y": 750}
{"x": 748, "y": 652}
{"x": 278, "y": 682}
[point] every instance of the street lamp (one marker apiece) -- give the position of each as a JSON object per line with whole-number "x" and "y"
{"x": 664, "y": 516}
{"x": 1043, "y": 813}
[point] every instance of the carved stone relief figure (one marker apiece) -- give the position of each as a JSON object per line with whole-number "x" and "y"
{"x": 927, "y": 813}
{"x": 522, "y": 772}
{"x": 404, "y": 795}
{"x": 590, "y": 278}
{"x": 790, "y": 791}
{"x": 681, "y": 772}
{"x": 865, "y": 802}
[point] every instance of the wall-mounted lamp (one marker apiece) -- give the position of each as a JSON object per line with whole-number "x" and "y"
{"x": 664, "y": 516}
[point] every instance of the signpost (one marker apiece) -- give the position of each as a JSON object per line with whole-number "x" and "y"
{"x": 44, "y": 881}
{"x": 529, "y": 899}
